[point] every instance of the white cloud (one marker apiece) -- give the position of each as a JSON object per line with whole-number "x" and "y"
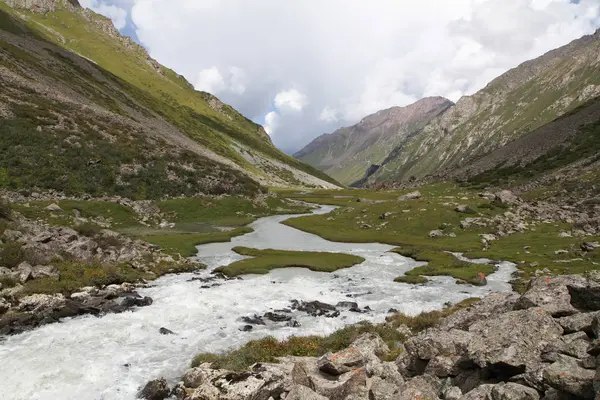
{"x": 328, "y": 114}
{"x": 210, "y": 80}
{"x": 118, "y": 15}
{"x": 271, "y": 122}
{"x": 353, "y": 56}
{"x": 290, "y": 100}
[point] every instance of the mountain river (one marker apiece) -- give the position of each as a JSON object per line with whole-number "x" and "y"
{"x": 111, "y": 357}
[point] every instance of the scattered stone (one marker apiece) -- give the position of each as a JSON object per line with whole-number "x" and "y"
{"x": 157, "y": 389}
{"x": 254, "y": 320}
{"x": 465, "y": 209}
{"x": 590, "y": 246}
{"x": 436, "y": 233}
{"x": 506, "y": 197}
{"x": 165, "y": 331}
{"x": 410, "y": 196}
{"x": 54, "y": 207}
{"x": 246, "y": 328}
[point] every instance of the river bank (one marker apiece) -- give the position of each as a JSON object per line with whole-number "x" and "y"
{"x": 114, "y": 355}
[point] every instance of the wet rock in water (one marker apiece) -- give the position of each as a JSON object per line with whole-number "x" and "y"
{"x": 480, "y": 280}
{"x": 277, "y": 317}
{"x": 246, "y": 328}
{"x": 130, "y": 301}
{"x": 254, "y": 320}
{"x": 293, "y": 324}
{"x": 350, "y": 305}
{"x": 315, "y": 308}
{"x": 165, "y": 331}
{"x": 157, "y": 389}
{"x": 393, "y": 311}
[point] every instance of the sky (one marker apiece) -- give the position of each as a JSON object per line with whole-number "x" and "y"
{"x": 302, "y": 68}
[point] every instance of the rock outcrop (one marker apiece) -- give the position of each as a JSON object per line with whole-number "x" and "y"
{"x": 503, "y": 347}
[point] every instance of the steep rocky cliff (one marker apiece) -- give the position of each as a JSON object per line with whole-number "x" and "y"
{"x": 347, "y": 153}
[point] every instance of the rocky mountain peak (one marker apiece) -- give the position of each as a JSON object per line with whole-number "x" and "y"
{"x": 43, "y": 6}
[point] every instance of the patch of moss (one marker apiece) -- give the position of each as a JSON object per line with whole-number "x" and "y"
{"x": 185, "y": 244}
{"x": 264, "y": 261}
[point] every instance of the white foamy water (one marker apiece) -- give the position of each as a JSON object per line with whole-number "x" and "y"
{"x": 112, "y": 356}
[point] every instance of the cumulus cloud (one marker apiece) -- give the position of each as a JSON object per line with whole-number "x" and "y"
{"x": 290, "y": 100}
{"x": 117, "y": 14}
{"x": 211, "y": 80}
{"x": 271, "y": 122}
{"x": 350, "y": 57}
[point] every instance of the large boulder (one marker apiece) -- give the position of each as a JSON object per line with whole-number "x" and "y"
{"x": 363, "y": 350}
{"x": 512, "y": 340}
{"x": 300, "y": 392}
{"x": 385, "y": 380}
{"x": 491, "y": 305}
{"x": 585, "y": 297}
{"x": 578, "y": 322}
{"x": 421, "y": 387}
{"x": 549, "y": 294}
{"x": 513, "y": 391}
{"x": 410, "y": 196}
{"x": 42, "y": 303}
{"x": 436, "y": 342}
{"x": 483, "y": 392}
{"x": 567, "y": 376}
{"x": 506, "y": 198}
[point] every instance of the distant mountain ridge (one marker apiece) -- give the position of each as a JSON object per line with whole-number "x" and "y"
{"x": 347, "y": 153}
{"x": 512, "y": 105}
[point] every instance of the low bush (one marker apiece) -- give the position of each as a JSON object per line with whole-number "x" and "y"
{"x": 11, "y": 254}
{"x": 88, "y": 229}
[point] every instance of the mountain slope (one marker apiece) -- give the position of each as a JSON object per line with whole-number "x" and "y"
{"x": 559, "y": 161}
{"x": 68, "y": 71}
{"x": 512, "y": 105}
{"x": 347, "y": 153}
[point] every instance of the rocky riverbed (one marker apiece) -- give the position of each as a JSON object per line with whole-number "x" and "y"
{"x": 544, "y": 344}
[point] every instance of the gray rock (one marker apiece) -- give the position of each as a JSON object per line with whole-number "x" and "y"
{"x": 491, "y": 305}
{"x": 549, "y": 294}
{"x": 24, "y": 272}
{"x": 436, "y": 233}
{"x": 506, "y": 197}
{"x": 421, "y": 387}
{"x": 44, "y": 271}
{"x": 452, "y": 393}
{"x": 513, "y": 339}
{"x": 585, "y": 297}
{"x": 435, "y": 342}
{"x": 483, "y": 392}
{"x": 12, "y": 235}
{"x": 54, "y": 207}
{"x": 299, "y": 392}
{"x": 464, "y": 209}
{"x": 361, "y": 351}
{"x": 578, "y": 322}
{"x": 157, "y": 389}
{"x": 443, "y": 366}
{"x": 382, "y": 389}
{"x": 567, "y": 376}
{"x": 410, "y": 196}
{"x": 513, "y": 391}
{"x": 4, "y": 305}
{"x": 387, "y": 371}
